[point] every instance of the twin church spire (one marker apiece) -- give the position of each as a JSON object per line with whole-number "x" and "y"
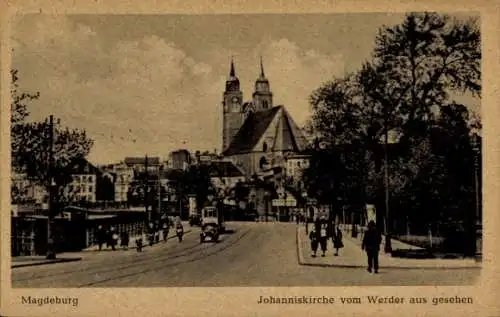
{"x": 235, "y": 111}
{"x": 262, "y": 75}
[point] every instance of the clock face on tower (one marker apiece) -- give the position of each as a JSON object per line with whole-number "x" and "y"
{"x": 235, "y": 99}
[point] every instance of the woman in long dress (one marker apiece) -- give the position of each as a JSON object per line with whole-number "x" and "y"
{"x": 337, "y": 240}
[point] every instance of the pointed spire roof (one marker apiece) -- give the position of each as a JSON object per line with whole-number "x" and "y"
{"x": 262, "y": 76}
{"x": 232, "y": 73}
{"x": 261, "y": 67}
{"x": 232, "y": 82}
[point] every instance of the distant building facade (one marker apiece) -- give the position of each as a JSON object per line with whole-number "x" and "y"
{"x": 83, "y": 186}
{"x": 179, "y": 160}
{"x": 294, "y": 169}
{"x": 205, "y": 157}
{"x": 25, "y": 190}
{"x": 138, "y": 164}
{"x": 121, "y": 175}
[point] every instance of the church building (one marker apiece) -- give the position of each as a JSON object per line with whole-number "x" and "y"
{"x": 257, "y": 135}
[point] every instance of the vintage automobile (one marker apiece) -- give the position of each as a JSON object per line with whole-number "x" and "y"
{"x": 209, "y": 231}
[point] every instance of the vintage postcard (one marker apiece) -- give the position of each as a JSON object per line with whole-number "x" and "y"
{"x": 215, "y": 158}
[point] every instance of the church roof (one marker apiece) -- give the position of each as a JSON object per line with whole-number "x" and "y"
{"x": 250, "y": 133}
{"x": 287, "y": 136}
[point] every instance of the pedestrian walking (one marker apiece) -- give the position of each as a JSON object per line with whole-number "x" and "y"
{"x": 322, "y": 230}
{"x": 101, "y": 236}
{"x": 113, "y": 237}
{"x": 165, "y": 231}
{"x": 307, "y": 225}
{"x": 371, "y": 244}
{"x": 151, "y": 234}
{"x": 138, "y": 242}
{"x": 313, "y": 237}
{"x": 124, "y": 240}
{"x": 179, "y": 229}
{"x": 337, "y": 240}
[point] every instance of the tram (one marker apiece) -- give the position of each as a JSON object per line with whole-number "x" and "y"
{"x": 212, "y": 224}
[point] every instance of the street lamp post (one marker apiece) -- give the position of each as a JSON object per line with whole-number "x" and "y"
{"x": 51, "y": 253}
{"x": 477, "y": 156}
{"x": 387, "y": 247}
{"x": 146, "y": 187}
{"x": 476, "y": 151}
{"x": 304, "y": 209}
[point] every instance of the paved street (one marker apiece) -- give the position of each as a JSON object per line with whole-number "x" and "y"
{"x": 255, "y": 254}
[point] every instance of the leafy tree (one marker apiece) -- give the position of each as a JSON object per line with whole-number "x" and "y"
{"x": 196, "y": 181}
{"x": 30, "y": 142}
{"x": 336, "y": 113}
{"x": 423, "y": 59}
{"x": 105, "y": 188}
{"x": 18, "y": 114}
{"x": 405, "y": 88}
{"x": 319, "y": 179}
{"x": 240, "y": 192}
{"x": 19, "y": 107}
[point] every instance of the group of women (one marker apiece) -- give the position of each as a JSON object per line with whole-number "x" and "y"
{"x": 322, "y": 231}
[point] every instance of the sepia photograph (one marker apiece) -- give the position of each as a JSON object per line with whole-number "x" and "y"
{"x": 173, "y": 151}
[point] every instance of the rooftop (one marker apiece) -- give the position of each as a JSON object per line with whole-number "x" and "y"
{"x": 288, "y": 137}
{"x": 142, "y": 161}
{"x": 82, "y": 166}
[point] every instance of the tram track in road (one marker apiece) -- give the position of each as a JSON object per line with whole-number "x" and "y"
{"x": 151, "y": 259}
{"x": 139, "y": 258}
{"x": 158, "y": 267}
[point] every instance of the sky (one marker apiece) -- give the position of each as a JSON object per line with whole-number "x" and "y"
{"x": 150, "y": 84}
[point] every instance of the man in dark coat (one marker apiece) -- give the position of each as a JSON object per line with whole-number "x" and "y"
{"x": 314, "y": 241}
{"x": 371, "y": 244}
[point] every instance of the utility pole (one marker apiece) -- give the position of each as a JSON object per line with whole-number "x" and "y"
{"x": 51, "y": 253}
{"x": 159, "y": 193}
{"x": 146, "y": 187}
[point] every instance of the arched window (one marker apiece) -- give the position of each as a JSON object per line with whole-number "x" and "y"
{"x": 262, "y": 162}
{"x": 264, "y": 147}
{"x": 265, "y": 104}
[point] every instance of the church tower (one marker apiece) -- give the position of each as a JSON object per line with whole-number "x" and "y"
{"x": 262, "y": 96}
{"x": 232, "y": 108}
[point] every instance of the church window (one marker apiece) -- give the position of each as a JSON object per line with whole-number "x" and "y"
{"x": 264, "y": 147}
{"x": 262, "y": 162}
{"x": 265, "y": 104}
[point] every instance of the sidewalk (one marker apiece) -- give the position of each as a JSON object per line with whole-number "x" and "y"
{"x": 351, "y": 256}
{"x": 23, "y": 261}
